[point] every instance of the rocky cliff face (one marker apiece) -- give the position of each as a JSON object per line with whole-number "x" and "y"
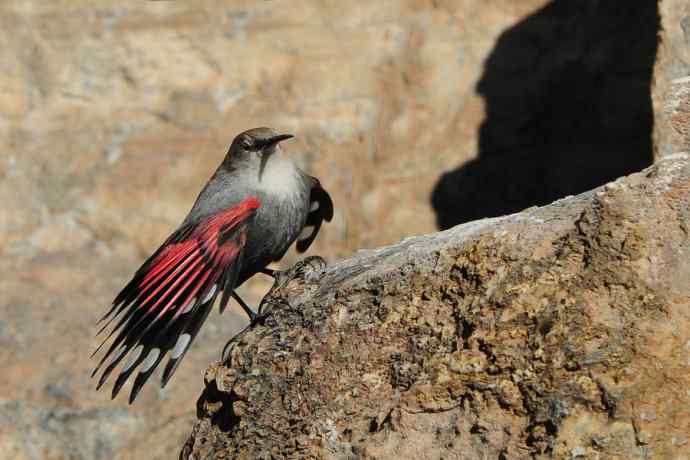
{"x": 561, "y": 331}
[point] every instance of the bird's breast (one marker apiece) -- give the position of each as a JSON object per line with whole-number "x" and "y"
{"x": 284, "y": 197}
{"x": 281, "y": 178}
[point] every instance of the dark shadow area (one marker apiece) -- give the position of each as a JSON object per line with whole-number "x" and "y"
{"x": 217, "y": 405}
{"x": 568, "y": 108}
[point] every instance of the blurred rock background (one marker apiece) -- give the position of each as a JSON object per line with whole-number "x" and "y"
{"x": 413, "y": 113}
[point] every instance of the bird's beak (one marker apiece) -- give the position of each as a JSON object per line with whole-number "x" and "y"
{"x": 270, "y": 143}
{"x": 280, "y": 137}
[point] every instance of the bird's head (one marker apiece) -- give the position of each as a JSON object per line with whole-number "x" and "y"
{"x": 254, "y": 147}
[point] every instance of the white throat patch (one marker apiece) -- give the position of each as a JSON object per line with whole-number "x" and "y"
{"x": 280, "y": 176}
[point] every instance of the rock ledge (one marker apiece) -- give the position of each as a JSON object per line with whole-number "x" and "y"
{"x": 562, "y": 330}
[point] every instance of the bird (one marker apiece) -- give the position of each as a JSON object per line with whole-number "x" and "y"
{"x": 254, "y": 207}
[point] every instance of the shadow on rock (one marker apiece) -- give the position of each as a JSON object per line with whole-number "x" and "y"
{"x": 568, "y": 108}
{"x": 217, "y": 405}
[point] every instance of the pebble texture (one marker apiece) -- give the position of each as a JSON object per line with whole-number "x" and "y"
{"x": 558, "y": 332}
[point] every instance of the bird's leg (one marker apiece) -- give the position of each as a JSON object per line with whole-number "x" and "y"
{"x": 245, "y": 307}
{"x": 307, "y": 269}
{"x": 253, "y": 319}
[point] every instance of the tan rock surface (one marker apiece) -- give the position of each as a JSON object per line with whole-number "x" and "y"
{"x": 672, "y": 80}
{"x": 558, "y": 332}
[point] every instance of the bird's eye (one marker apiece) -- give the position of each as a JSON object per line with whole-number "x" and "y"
{"x": 247, "y": 145}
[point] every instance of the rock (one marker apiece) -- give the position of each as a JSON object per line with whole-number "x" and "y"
{"x": 671, "y": 90}
{"x": 673, "y": 122}
{"x": 560, "y": 331}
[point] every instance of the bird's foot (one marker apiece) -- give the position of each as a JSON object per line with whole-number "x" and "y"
{"x": 308, "y": 269}
{"x": 258, "y": 318}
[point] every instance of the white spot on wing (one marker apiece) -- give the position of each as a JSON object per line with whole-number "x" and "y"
{"x": 314, "y": 206}
{"x": 133, "y": 357}
{"x": 189, "y": 306}
{"x": 180, "y": 346}
{"x": 118, "y": 353}
{"x": 150, "y": 360}
{"x": 305, "y": 233}
{"x": 208, "y": 296}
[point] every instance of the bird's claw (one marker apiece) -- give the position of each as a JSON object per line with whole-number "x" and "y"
{"x": 308, "y": 268}
{"x": 259, "y": 317}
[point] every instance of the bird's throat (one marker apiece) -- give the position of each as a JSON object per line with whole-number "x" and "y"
{"x": 279, "y": 176}
{"x": 262, "y": 165}
{"x": 266, "y": 155}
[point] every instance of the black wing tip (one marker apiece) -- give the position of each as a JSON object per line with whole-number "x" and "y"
{"x": 326, "y": 202}
{"x": 135, "y": 392}
{"x": 170, "y": 370}
{"x": 139, "y": 383}
{"x": 122, "y": 378}
{"x": 117, "y": 387}
{"x": 328, "y": 214}
{"x": 106, "y": 373}
{"x": 101, "y": 381}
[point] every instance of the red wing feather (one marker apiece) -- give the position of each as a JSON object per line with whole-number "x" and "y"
{"x": 162, "y": 308}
